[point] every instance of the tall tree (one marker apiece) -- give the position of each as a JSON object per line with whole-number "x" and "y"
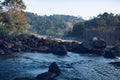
{"x": 15, "y": 14}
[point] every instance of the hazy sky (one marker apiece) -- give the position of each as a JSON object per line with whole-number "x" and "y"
{"x": 84, "y": 8}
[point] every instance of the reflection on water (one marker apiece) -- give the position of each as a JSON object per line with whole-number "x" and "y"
{"x": 73, "y": 66}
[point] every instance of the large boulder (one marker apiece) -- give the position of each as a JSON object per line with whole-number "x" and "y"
{"x": 54, "y": 69}
{"x": 94, "y": 46}
{"x": 51, "y": 74}
{"x": 60, "y": 50}
{"x": 98, "y": 43}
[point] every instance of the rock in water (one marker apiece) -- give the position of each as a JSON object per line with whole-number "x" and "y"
{"x": 51, "y": 74}
{"x": 46, "y": 76}
{"x": 109, "y": 54}
{"x": 99, "y": 44}
{"x": 116, "y": 50}
{"x": 116, "y": 64}
{"x": 60, "y": 50}
{"x": 54, "y": 69}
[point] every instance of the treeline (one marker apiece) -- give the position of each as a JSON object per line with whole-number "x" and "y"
{"x": 106, "y": 26}
{"x": 53, "y": 25}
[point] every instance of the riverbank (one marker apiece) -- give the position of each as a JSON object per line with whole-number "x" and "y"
{"x": 36, "y": 43}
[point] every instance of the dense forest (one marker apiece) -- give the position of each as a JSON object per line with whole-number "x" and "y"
{"x": 106, "y": 26}
{"x": 13, "y": 20}
{"x": 53, "y": 25}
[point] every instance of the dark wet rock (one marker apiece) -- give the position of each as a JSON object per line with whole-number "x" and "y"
{"x": 82, "y": 49}
{"x": 115, "y": 50}
{"x": 25, "y": 78}
{"x": 95, "y": 46}
{"x": 109, "y": 54}
{"x": 53, "y": 72}
{"x": 96, "y": 52}
{"x": 33, "y": 43}
{"x": 60, "y": 50}
{"x": 117, "y": 64}
{"x": 87, "y": 44}
{"x": 54, "y": 69}
{"x": 16, "y": 49}
{"x": 98, "y": 43}
{"x": 46, "y": 76}
{"x": 8, "y": 52}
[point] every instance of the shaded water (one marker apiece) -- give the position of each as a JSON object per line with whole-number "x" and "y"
{"x": 73, "y": 66}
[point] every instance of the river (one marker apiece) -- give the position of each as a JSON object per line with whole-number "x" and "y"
{"x": 73, "y": 66}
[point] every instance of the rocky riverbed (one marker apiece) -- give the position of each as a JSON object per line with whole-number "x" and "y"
{"x": 73, "y": 66}
{"x": 33, "y": 43}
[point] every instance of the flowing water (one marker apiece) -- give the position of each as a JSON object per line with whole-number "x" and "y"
{"x": 73, "y": 66}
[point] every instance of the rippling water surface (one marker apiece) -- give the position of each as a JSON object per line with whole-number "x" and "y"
{"x": 73, "y": 66}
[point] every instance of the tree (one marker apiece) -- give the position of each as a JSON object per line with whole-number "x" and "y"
{"x": 14, "y": 5}
{"x": 15, "y": 15}
{"x": 78, "y": 30}
{"x": 106, "y": 26}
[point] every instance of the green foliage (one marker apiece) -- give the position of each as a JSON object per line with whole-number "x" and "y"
{"x": 106, "y": 26}
{"x": 54, "y": 25}
{"x": 14, "y": 16}
{"x": 3, "y": 29}
{"x": 14, "y": 5}
{"x": 78, "y": 29}
{"x": 103, "y": 20}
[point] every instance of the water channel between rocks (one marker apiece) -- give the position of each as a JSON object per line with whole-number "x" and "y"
{"x": 73, "y": 66}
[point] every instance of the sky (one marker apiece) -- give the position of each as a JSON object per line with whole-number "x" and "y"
{"x": 80, "y": 8}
